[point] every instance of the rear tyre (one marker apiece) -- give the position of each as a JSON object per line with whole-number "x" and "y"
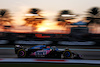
{"x": 21, "y": 53}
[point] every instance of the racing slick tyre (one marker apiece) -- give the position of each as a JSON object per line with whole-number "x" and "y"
{"x": 21, "y": 53}
{"x": 67, "y": 54}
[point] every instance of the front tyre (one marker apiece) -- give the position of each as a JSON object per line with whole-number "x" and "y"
{"x": 21, "y": 53}
{"x": 67, "y": 54}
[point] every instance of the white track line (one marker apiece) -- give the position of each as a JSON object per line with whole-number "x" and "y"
{"x": 49, "y": 60}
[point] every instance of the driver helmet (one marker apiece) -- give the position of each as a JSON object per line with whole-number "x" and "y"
{"x": 66, "y": 48}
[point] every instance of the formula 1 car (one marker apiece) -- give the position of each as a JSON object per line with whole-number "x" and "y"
{"x": 45, "y": 51}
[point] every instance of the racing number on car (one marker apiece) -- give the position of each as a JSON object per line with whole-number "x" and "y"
{"x": 41, "y": 53}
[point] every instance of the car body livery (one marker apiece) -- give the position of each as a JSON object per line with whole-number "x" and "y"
{"x": 45, "y": 51}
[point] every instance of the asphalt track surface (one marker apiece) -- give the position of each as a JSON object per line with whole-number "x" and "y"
{"x": 88, "y": 54}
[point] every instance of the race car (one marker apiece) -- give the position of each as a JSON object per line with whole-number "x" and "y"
{"x": 46, "y": 52}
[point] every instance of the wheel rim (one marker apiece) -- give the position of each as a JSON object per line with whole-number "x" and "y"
{"x": 67, "y": 54}
{"x": 21, "y": 53}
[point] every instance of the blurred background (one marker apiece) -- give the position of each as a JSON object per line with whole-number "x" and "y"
{"x": 52, "y": 15}
{"x": 44, "y": 19}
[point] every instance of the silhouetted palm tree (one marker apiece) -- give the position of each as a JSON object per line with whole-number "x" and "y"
{"x": 63, "y": 19}
{"x": 66, "y": 12}
{"x": 94, "y": 15}
{"x": 34, "y": 11}
{"x": 34, "y": 20}
{"x": 4, "y": 16}
{"x": 94, "y": 11}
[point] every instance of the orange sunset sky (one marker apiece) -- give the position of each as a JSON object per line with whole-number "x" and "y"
{"x": 51, "y": 8}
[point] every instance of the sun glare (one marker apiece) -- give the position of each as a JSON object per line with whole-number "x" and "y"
{"x": 48, "y": 25}
{"x": 42, "y": 29}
